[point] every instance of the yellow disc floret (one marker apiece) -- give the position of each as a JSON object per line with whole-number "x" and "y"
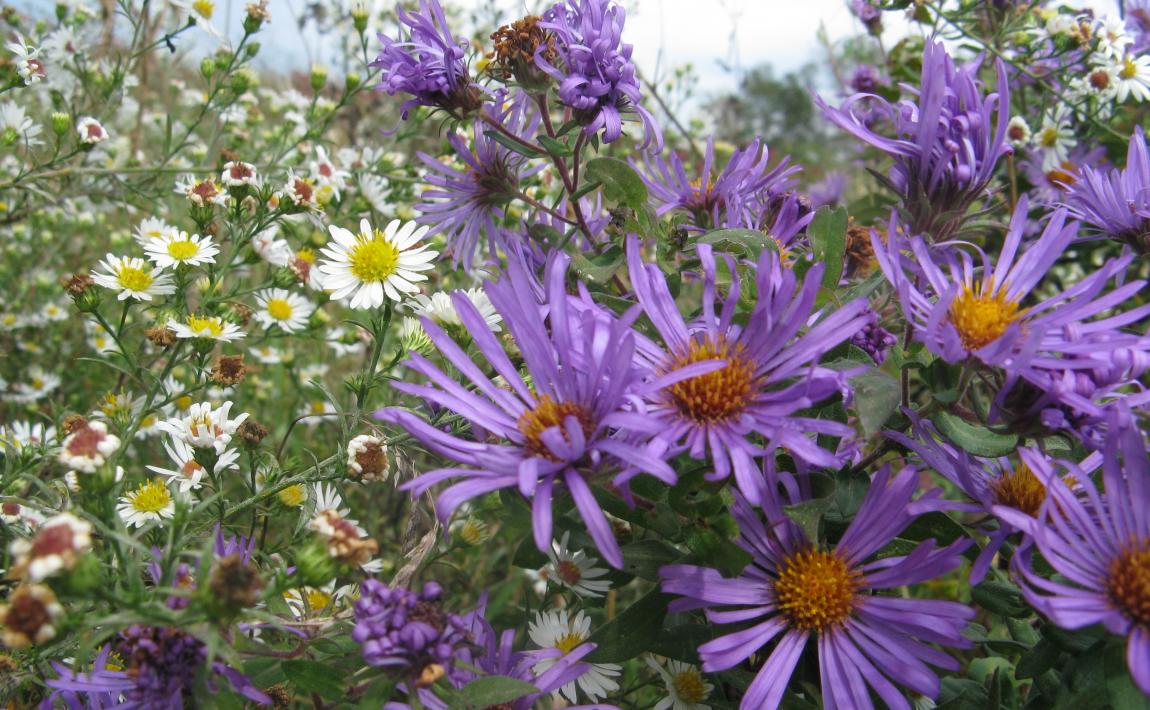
{"x": 716, "y": 396}
{"x": 980, "y": 319}
{"x": 151, "y": 497}
{"x": 816, "y": 589}
{"x": 134, "y": 279}
{"x": 1128, "y": 582}
{"x": 373, "y": 259}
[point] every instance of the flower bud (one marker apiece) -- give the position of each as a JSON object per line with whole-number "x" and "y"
{"x": 318, "y": 77}
{"x": 314, "y": 566}
{"x": 61, "y": 122}
{"x": 207, "y": 67}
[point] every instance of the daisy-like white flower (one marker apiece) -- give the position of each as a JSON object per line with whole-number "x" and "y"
{"x": 99, "y": 339}
{"x": 1018, "y": 132}
{"x": 152, "y": 228}
{"x": 440, "y": 308}
{"x": 314, "y": 601}
{"x": 367, "y": 458}
{"x": 365, "y": 267}
{"x": 211, "y": 327}
{"x": 268, "y": 355}
{"x": 686, "y": 687}
{"x": 200, "y": 12}
{"x": 54, "y": 312}
{"x": 204, "y": 427}
{"x": 1132, "y": 79}
{"x": 325, "y": 172}
{"x": 151, "y": 501}
{"x": 240, "y": 174}
{"x": 179, "y": 247}
{"x": 27, "y": 60}
{"x": 301, "y": 192}
{"x": 91, "y": 131}
{"x": 279, "y": 307}
{"x": 574, "y": 569}
{"x": 1113, "y": 40}
{"x": 316, "y": 410}
{"x": 271, "y": 248}
{"x": 133, "y": 278}
{"x": 558, "y": 630}
{"x": 1055, "y": 139}
{"x": 15, "y": 125}
{"x": 88, "y": 447}
{"x": 38, "y": 385}
{"x": 202, "y": 193}
{"x": 188, "y": 475}
{"x": 56, "y": 546}
{"x": 21, "y": 434}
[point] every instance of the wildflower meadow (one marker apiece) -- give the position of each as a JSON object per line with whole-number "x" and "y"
{"x": 475, "y": 367}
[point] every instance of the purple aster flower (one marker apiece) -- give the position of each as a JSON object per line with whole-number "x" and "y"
{"x": 874, "y": 339}
{"x": 734, "y": 197}
{"x": 1099, "y": 544}
{"x": 866, "y": 79}
{"x": 793, "y": 590}
{"x": 1116, "y": 203}
{"x": 1138, "y": 23}
{"x": 405, "y": 630}
{"x": 946, "y": 144}
{"x": 749, "y": 407}
{"x": 868, "y": 14}
{"x": 964, "y": 315}
{"x": 596, "y": 77}
{"x": 228, "y": 545}
{"x": 1050, "y": 186}
{"x": 559, "y": 428}
{"x": 162, "y": 665}
{"x": 429, "y": 65}
{"x": 467, "y": 204}
{"x": 990, "y": 483}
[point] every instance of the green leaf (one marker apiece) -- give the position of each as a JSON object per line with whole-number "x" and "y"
{"x": 876, "y": 399}
{"x": 748, "y": 242}
{"x": 313, "y": 677}
{"x": 1119, "y": 685}
{"x": 828, "y": 235}
{"x": 621, "y": 184}
{"x": 1037, "y": 660}
{"x": 808, "y": 514}
{"x": 630, "y": 633}
{"x": 962, "y": 694}
{"x": 600, "y": 267}
{"x": 512, "y": 145}
{"x": 644, "y": 558}
{"x": 495, "y": 690}
{"x": 682, "y": 642}
{"x": 973, "y": 439}
{"x": 553, "y": 146}
{"x": 1002, "y": 598}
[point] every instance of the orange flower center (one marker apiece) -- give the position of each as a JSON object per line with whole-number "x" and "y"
{"x": 980, "y": 319}
{"x": 816, "y": 589}
{"x": 1020, "y": 489}
{"x": 547, "y": 414}
{"x": 1128, "y": 582}
{"x": 716, "y": 396}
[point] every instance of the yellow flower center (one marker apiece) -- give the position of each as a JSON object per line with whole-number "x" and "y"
{"x": 689, "y": 686}
{"x": 182, "y": 249}
{"x": 279, "y": 309}
{"x": 134, "y": 279}
{"x": 37, "y": 383}
{"x": 182, "y": 403}
{"x": 546, "y": 414}
{"x": 1020, "y": 489}
{"x": 473, "y": 531}
{"x": 204, "y": 8}
{"x": 981, "y": 319}
{"x": 151, "y": 497}
{"x": 373, "y": 259}
{"x": 1129, "y": 69}
{"x": 816, "y": 589}
{"x": 1048, "y": 137}
{"x": 306, "y": 255}
{"x": 318, "y": 599}
{"x": 210, "y": 326}
{"x": 292, "y": 496}
{"x": 716, "y": 396}
{"x": 568, "y": 642}
{"x": 9, "y": 319}
{"x": 1128, "y": 582}
{"x": 318, "y": 406}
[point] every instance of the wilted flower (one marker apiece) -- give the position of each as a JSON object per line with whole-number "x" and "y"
{"x": 367, "y": 458}
{"x": 88, "y": 447}
{"x": 57, "y": 546}
{"x": 29, "y": 616}
{"x": 91, "y": 131}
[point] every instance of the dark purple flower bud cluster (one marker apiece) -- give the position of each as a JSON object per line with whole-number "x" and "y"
{"x": 404, "y": 629}
{"x": 874, "y": 340}
{"x": 163, "y": 661}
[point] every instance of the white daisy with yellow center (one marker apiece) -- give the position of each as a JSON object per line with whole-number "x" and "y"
{"x": 560, "y": 631}
{"x": 151, "y": 228}
{"x": 1132, "y": 75}
{"x": 210, "y": 327}
{"x": 686, "y": 687}
{"x": 150, "y": 502}
{"x": 188, "y": 474}
{"x": 178, "y": 247}
{"x": 365, "y": 268}
{"x": 133, "y": 278}
{"x": 280, "y": 307}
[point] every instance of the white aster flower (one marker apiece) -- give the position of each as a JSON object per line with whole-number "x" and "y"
{"x": 133, "y": 278}
{"x": 91, "y": 131}
{"x": 178, "y": 247}
{"x": 51, "y": 312}
{"x": 1112, "y": 37}
{"x": 149, "y": 502}
{"x": 88, "y": 447}
{"x": 575, "y": 569}
{"x": 210, "y": 327}
{"x": 267, "y": 354}
{"x": 15, "y": 124}
{"x": 204, "y": 427}
{"x": 57, "y": 546}
{"x": 240, "y": 174}
{"x": 202, "y": 193}
{"x": 279, "y": 307}
{"x": 558, "y": 630}
{"x": 200, "y": 12}
{"x": 152, "y": 228}
{"x": 686, "y": 687}
{"x": 375, "y": 263}
{"x": 271, "y": 248}
{"x": 27, "y": 61}
{"x": 38, "y": 385}
{"x": 1055, "y": 139}
{"x": 188, "y": 475}
{"x": 440, "y": 308}
{"x": 1132, "y": 79}
{"x": 23, "y": 434}
{"x": 325, "y": 172}
{"x": 317, "y": 410}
